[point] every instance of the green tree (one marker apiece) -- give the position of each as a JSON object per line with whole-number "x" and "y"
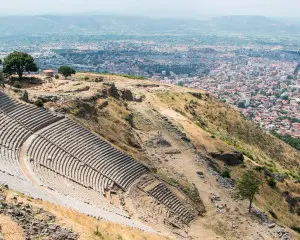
{"x": 66, "y": 71}
{"x": 248, "y": 186}
{"x": 285, "y": 97}
{"x": 18, "y": 63}
{"x": 241, "y": 105}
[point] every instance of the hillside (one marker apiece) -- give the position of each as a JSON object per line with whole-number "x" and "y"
{"x": 110, "y": 24}
{"x": 186, "y": 139}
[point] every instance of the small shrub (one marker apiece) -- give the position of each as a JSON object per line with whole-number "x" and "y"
{"x": 86, "y": 78}
{"x": 39, "y": 103}
{"x": 272, "y": 182}
{"x": 17, "y": 84}
{"x": 226, "y": 174}
{"x": 296, "y": 229}
{"x": 213, "y": 136}
{"x": 273, "y": 214}
{"x": 180, "y": 84}
{"x": 56, "y": 76}
{"x": 98, "y": 233}
{"x": 119, "y": 237}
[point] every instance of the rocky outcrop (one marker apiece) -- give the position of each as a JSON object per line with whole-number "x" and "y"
{"x": 158, "y": 141}
{"x": 127, "y": 95}
{"x": 234, "y": 158}
{"x": 112, "y": 90}
{"x": 48, "y": 98}
{"x": 86, "y": 109}
{"x": 35, "y": 222}
{"x": 196, "y": 94}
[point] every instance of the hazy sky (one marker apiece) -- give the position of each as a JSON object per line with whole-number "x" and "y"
{"x": 173, "y": 8}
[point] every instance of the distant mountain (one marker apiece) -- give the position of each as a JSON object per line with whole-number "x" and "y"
{"x": 107, "y": 24}
{"x": 253, "y": 24}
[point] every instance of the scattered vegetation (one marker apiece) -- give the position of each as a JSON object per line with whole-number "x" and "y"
{"x": 273, "y": 214}
{"x": 296, "y": 229}
{"x": 272, "y": 182}
{"x": 126, "y": 76}
{"x": 119, "y": 237}
{"x": 56, "y": 76}
{"x": 98, "y": 233}
{"x": 248, "y": 186}
{"x": 226, "y": 174}
{"x": 39, "y": 103}
{"x": 17, "y": 84}
{"x": 294, "y": 142}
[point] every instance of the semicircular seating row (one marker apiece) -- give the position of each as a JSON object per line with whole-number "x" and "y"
{"x": 61, "y": 146}
{"x": 164, "y": 195}
{"x": 30, "y": 116}
{"x": 74, "y": 152}
{"x": 17, "y": 122}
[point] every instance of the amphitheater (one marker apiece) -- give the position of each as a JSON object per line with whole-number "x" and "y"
{"x": 40, "y": 149}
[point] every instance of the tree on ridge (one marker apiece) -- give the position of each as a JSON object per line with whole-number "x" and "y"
{"x": 66, "y": 71}
{"x": 18, "y": 63}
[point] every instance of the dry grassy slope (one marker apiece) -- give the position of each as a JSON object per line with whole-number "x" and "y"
{"x": 231, "y": 127}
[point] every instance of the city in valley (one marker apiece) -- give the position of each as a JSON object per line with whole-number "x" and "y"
{"x": 256, "y": 74}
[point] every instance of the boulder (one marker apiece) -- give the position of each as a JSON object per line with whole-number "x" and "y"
{"x": 138, "y": 99}
{"x": 127, "y": 95}
{"x": 271, "y": 225}
{"x": 234, "y": 158}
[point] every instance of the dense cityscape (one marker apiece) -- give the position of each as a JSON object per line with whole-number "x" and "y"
{"x": 266, "y": 91}
{"x": 257, "y": 75}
